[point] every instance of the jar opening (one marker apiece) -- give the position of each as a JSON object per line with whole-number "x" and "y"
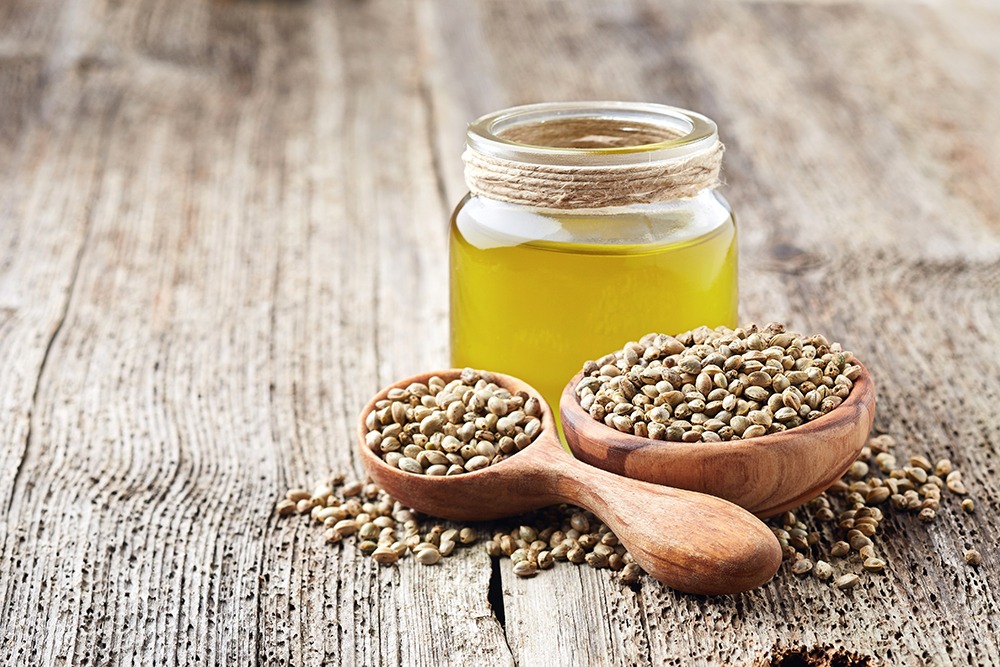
{"x": 588, "y": 133}
{"x": 591, "y": 133}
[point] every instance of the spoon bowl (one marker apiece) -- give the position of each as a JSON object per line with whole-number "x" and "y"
{"x": 766, "y": 475}
{"x": 690, "y": 541}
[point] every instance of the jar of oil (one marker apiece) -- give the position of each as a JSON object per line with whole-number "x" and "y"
{"x": 573, "y": 242}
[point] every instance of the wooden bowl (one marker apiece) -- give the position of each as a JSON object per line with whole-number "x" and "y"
{"x": 765, "y": 475}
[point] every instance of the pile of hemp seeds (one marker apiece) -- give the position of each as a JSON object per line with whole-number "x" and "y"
{"x": 834, "y": 537}
{"x": 715, "y": 385}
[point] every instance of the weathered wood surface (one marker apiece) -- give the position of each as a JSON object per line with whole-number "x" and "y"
{"x": 222, "y": 228}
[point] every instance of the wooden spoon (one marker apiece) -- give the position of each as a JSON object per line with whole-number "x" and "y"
{"x": 690, "y": 541}
{"x": 766, "y": 475}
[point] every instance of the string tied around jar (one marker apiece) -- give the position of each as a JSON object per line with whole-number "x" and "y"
{"x": 596, "y": 162}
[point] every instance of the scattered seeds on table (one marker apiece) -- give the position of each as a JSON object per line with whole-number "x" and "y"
{"x": 630, "y": 574}
{"x": 386, "y": 530}
{"x": 954, "y": 483}
{"x": 525, "y": 568}
{"x": 843, "y": 525}
{"x": 802, "y": 566}
{"x": 840, "y": 549}
{"x": 428, "y": 555}
{"x": 846, "y": 581}
{"x": 295, "y": 495}
{"x": 304, "y": 506}
{"x": 872, "y": 564}
{"x": 822, "y": 570}
{"x": 385, "y": 556}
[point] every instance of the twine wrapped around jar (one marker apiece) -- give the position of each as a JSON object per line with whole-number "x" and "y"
{"x": 592, "y": 175}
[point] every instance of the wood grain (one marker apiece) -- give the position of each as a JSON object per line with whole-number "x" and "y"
{"x": 221, "y": 231}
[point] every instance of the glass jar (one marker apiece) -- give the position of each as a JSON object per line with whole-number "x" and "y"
{"x": 587, "y": 226}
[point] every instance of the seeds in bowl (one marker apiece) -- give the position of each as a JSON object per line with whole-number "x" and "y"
{"x": 449, "y": 428}
{"x": 712, "y": 385}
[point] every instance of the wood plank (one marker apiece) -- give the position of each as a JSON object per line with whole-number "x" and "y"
{"x": 45, "y": 215}
{"x": 363, "y": 220}
{"x": 242, "y": 268}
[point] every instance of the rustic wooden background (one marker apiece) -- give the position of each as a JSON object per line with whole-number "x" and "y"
{"x": 223, "y": 226}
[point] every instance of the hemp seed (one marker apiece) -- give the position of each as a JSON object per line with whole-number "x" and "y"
{"x": 846, "y": 581}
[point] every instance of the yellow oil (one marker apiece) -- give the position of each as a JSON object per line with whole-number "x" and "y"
{"x": 535, "y": 296}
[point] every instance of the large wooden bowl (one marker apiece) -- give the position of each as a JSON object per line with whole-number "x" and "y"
{"x": 765, "y": 475}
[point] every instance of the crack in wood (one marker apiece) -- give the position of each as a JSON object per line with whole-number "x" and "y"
{"x": 819, "y": 656}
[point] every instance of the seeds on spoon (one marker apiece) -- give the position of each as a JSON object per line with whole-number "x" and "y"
{"x": 711, "y": 385}
{"x": 444, "y": 429}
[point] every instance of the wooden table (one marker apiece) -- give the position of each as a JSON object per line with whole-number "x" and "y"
{"x": 223, "y": 227}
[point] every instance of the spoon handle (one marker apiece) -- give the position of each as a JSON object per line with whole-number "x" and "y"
{"x": 690, "y": 541}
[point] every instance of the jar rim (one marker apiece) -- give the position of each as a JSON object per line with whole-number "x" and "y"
{"x": 694, "y": 132}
